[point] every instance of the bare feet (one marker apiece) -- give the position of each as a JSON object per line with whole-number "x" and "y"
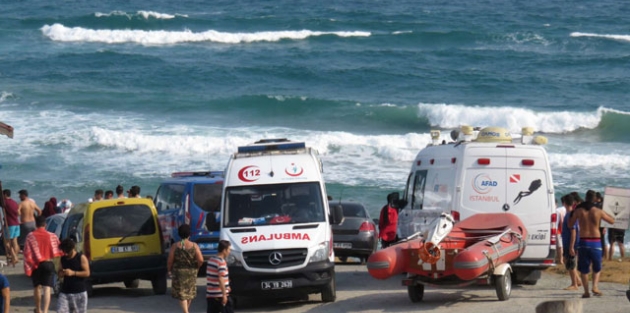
{"x": 571, "y": 288}
{"x": 586, "y": 295}
{"x": 597, "y": 293}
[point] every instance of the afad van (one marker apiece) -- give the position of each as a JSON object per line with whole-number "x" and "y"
{"x": 192, "y": 198}
{"x": 486, "y": 171}
{"x": 275, "y": 213}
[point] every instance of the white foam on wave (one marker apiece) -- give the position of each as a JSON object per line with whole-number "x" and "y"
{"x": 613, "y": 37}
{"x": 527, "y": 37}
{"x": 59, "y": 32}
{"x": 144, "y": 14}
{"x": 400, "y": 32}
{"x": 601, "y": 162}
{"x": 4, "y": 95}
{"x": 453, "y": 116}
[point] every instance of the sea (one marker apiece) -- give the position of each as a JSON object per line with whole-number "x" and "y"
{"x": 102, "y": 93}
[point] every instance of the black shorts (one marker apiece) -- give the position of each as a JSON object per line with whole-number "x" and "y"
{"x": 215, "y": 305}
{"x": 616, "y": 235}
{"x": 44, "y": 274}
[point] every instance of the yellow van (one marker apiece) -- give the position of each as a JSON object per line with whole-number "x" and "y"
{"x": 121, "y": 239}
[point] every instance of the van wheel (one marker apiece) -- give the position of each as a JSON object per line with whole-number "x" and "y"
{"x": 159, "y": 284}
{"x": 503, "y": 284}
{"x": 132, "y": 283}
{"x": 89, "y": 288}
{"x": 329, "y": 293}
{"x": 415, "y": 292}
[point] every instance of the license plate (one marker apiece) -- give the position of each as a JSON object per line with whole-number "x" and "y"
{"x": 342, "y": 245}
{"x": 282, "y": 284}
{"x": 125, "y": 249}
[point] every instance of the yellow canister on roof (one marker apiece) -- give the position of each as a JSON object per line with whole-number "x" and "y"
{"x": 494, "y": 134}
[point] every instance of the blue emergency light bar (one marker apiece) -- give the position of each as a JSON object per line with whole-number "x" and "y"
{"x": 272, "y": 145}
{"x": 197, "y": 174}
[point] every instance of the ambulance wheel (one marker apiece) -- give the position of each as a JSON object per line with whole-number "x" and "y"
{"x": 132, "y": 283}
{"x": 416, "y": 292}
{"x": 329, "y": 293}
{"x": 503, "y": 284}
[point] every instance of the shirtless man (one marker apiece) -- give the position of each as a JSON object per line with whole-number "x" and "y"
{"x": 26, "y": 211}
{"x": 589, "y": 218}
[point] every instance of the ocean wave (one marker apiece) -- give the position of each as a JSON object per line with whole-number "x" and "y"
{"x": 4, "y": 95}
{"x": 613, "y": 37}
{"x": 513, "y": 119}
{"x": 599, "y": 162}
{"x": 400, "y": 32}
{"x": 144, "y": 14}
{"x": 59, "y": 32}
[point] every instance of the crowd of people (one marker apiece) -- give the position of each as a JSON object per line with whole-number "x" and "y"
{"x": 41, "y": 247}
{"x": 583, "y": 246}
{"x": 25, "y": 227}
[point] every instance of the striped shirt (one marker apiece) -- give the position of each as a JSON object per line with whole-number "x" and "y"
{"x": 39, "y": 246}
{"x": 216, "y": 266}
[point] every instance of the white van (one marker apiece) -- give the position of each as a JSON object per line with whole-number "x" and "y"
{"x": 485, "y": 171}
{"x": 275, "y": 213}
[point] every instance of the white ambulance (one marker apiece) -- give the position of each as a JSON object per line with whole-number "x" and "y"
{"x": 486, "y": 171}
{"x": 275, "y": 213}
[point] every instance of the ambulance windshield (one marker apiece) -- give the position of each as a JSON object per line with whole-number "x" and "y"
{"x": 274, "y": 204}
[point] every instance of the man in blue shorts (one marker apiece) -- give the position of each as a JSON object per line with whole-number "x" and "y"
{"x": 589, "y": 218}
{"x": 13, "y": 230}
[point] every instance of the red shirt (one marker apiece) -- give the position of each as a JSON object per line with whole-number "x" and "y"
{"x": 39, "y": 246}
{"x": 387, "y": 231}
{"x": 12, "y": 211}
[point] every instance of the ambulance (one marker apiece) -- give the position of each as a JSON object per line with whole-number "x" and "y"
{"x": 276, "y": 215}
{"x": 486, "y": 171}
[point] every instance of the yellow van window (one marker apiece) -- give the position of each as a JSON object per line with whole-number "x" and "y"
{"x": 124, "y": 220}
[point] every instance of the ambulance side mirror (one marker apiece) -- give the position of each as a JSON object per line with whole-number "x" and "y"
{"x": 336, "y": 215}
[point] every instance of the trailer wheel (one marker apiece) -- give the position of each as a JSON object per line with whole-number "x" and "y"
{"x": 329, "y": 293}
{"x": 503, "y": 284}
{"x": 415, "y": 292}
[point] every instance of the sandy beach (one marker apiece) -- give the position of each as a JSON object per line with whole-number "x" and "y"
{"x": 357, "y": 291}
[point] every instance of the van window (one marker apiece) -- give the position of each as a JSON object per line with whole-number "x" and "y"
{"x": 169, "y": 197}
{"x": 417, "y": 193}
{"x": 207, "y": 196}
{"x": 73, "y": 227}
{"x": 274, "y": 204}
{"x": 124, "y": 220}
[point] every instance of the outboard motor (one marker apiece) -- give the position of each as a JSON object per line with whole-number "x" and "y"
{"x": 437, "y": 231}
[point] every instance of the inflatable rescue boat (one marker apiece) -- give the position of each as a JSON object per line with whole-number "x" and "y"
{"x": 479, "y": 247}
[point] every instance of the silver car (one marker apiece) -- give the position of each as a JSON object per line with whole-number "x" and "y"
{"x": 356, "y": 235}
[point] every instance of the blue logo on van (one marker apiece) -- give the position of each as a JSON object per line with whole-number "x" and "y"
{"x": 483, "y": 184}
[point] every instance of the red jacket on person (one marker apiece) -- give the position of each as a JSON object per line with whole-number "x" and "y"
{"x": 387, "y": 227}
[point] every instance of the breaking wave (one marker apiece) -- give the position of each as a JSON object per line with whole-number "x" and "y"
{"x": 59, "y": 32}
{"x": 613, "y": 37}
{"x": 143, "y": 14}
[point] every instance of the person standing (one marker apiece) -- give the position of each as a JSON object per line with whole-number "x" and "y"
{"x": 50, "y": 207}
{"x": 98, "y": 195}
{"x": 75, "y": 270}
{"x": 561, "y": 211}
{"x": 589, "y": 218}
{"x": 184, "y": 261}
{"x": 388, "y": 221}
{"x": 40, "y": 248}
{"x": 27, "y": 210}
{"x": 13, "y": 229}
{"x": 570, "y": 234}
{"x": 120, "y": 192}
{"x": 134, "y": 192}
{"x": 218, "y": 281}
{"x": 5, "y": 300}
